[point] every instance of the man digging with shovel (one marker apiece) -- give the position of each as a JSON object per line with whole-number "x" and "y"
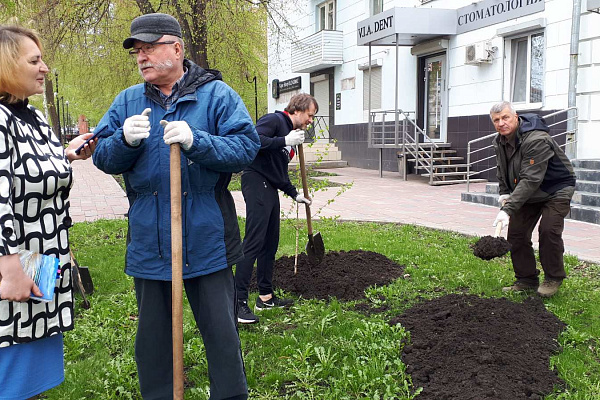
{"x": 278, "y": 132}
{"x": 211, "y": 125}
{"x": 536, "y": 180}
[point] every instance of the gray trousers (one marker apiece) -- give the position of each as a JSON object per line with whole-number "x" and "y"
{"x": 212, "y": 299}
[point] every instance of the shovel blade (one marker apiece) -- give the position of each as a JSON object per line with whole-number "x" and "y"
{"x": 315, "y": 248}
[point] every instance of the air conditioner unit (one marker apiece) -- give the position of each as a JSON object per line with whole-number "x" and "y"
{"x": 478, "y": 53}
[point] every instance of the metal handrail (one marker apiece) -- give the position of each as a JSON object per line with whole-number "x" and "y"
{"x": 567, "y": 141}
{"x": 408, "y": 125}
{"x": 317, "y": 127}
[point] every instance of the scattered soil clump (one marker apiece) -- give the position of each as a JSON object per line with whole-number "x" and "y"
{"x": 467, "y": 347}
{"x": 342, "y": 274}
{"x": 489, "y": 247}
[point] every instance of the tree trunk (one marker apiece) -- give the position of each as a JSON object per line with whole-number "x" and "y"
{"x": 193, "y": 26}
{"x": 195, "y": 31}
{"x": 145, "y": 6}
{"x": 54, "y": 120}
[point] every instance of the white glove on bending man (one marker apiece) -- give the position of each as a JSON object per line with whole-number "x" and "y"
{"x": 294, "y": 138}
{"x": 302, "y": 199}
{"x": 136, "y": 128}
{"x": 502, "y": 199}
{"x": 178, "y": 132}
{"x": 502, "y": 217}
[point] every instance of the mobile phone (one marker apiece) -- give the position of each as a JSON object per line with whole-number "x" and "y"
{"x": 94, "y": 136}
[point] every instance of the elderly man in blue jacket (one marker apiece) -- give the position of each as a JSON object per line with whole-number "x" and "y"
{"x": 217, "y": 137}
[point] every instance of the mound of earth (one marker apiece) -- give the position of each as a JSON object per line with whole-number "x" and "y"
{"x": 466, "y": 347}
{"x": 344, "y": 274}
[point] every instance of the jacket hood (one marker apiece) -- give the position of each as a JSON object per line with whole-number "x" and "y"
{"x": 532, "y": 122}
{"x": 198, "y": 76}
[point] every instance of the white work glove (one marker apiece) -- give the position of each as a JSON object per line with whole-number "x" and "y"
{"x": 294, "y": 138}
{"x": 502, "y": 199}
{"x": 179, "y": 132}
{"x": 501, "y": 217}
{"x": 136, "y": 128}
{"x": 302, "y": 199}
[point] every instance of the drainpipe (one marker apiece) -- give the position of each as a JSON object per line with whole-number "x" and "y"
{"x": 571, "y": 122}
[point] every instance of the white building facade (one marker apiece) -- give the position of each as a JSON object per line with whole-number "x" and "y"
{"x": 453, "y": 60}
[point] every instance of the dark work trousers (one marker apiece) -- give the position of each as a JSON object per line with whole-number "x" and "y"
{"x": 212, "y": 299}
{"x": 262, "y": 235}
{"x": 520, "y": 229}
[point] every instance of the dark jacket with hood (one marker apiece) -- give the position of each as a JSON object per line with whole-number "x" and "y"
{"x": 538, "y": 169}
{"x": 225, "y": 141}
{"x": 273, "y": 157}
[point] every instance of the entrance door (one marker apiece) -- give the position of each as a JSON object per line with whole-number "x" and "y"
{"x": 435, "y": 96}
{"x": 321, "y": 94}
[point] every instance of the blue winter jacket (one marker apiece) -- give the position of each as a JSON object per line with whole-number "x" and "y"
{"x": 225, "y": 141}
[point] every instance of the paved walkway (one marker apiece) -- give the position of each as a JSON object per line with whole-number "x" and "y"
{"x": 95, "y": 195}
{"x": 371, "y": 198}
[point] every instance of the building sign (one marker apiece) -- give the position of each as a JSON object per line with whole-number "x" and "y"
{"x": 278, "y": 87}
{"x": 407, "y": 25}
{"x": 338, "y": 101}
{"x": 376, "y": 27}
{"x": 490, "y": 12}
{"x": 290, "y": 84}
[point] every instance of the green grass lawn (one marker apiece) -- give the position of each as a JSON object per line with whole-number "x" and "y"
{"x": 320, "y": 350}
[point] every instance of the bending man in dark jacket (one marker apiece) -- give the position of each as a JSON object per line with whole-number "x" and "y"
{"x": 217, "y": 137}
{"x": 536, "y": 180}
{"x": 268, "y": 172}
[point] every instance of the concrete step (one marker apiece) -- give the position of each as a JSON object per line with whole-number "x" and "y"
{"x": 580, "y": 186}
{"x": 443, "y": 166}
{"x": 492, "y": 188}
{"x": 437, "y": 159}
{"x": 587, "y": 199}
{"x": 588, "y": 164}
{"x": 585, "y": 213}
{"x": 588, "y": 186}
{"x": 457, "y": 181}
{"x": 480, "y": 198}
{"x": 579, "y": 212}
{"x": 448, "y": 174}
{"x": 436, "y": 152}
{"x": 585, "y": 174}
{"x": 321, "y": 151}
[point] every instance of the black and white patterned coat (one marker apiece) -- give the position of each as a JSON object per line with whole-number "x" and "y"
{"x": 35, "y": 180}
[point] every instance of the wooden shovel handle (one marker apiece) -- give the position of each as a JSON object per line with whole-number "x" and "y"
{"x": 305, "y": 187}
{"x": 499, "y": 224}
{"x": 498, "y": 229}
{"x": 176, "y": 271}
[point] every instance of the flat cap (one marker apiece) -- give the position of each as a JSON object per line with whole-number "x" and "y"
{"x": 151, "y": 27}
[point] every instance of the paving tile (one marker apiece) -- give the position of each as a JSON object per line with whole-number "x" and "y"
{"x": 371, "y": 198}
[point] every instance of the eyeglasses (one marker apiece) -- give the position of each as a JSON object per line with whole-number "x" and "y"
{"x": 147, "y": 48}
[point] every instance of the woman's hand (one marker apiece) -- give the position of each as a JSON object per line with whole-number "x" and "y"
{"x": 87, "y": 150}
{"x": 15, "y": 285}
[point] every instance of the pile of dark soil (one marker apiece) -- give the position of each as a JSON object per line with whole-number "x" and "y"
{"x": 489, "y": 247}
{"x": 466, "y": 347}
{"x": 344, "y": 274}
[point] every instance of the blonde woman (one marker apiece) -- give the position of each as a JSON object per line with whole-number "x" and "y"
{"x": 35, "y": 180}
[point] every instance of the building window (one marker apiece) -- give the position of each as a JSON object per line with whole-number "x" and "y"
{"x": 375, "y": 88}
{"x": 525, "y": 63}
{"x": 376, "y": 6}
{"x": 327, "y": 15}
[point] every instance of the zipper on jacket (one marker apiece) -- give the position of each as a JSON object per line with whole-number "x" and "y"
{"x": 155, "y": 194}
{"x": 185, "y": 232}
